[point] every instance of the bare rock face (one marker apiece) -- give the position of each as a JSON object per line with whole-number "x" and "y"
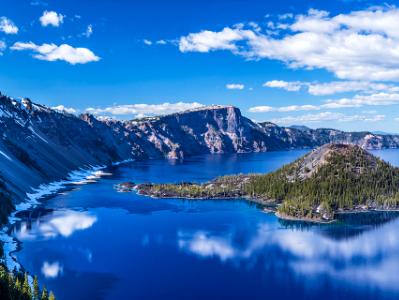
{"x": 216, "y": 129}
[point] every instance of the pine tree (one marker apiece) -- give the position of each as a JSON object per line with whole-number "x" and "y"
{"x": 36, "y": 292}
{"x": 52, "y": 297}
{"x": 18, "y": 286}
{"x": 44, "y": 294}
{"x": 26, "y": 290}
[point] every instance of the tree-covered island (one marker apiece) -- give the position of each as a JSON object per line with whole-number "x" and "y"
{"x": 329, "y": 179}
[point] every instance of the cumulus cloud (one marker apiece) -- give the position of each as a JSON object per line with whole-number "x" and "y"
{"x": 360, "y": 45}
{"x": 7, "y": 26}
{"x": 51, "y": 18}
{"x": 141, "y": 110}
{"x": 62, "y": 108}
{"x": 206, "y": 41}
{"x": 52, "y": 52}
{"x": 382, "y": 98}
{"x": 147, "y": 42}
{"x": 292, "y": 86}
{"x": 264, "y": 108}
{"x": 327, "y": 116}
{"x": 235, "y": 86}
{"x": 330, "y": 88}
{"x": 333, "y": 87}
{"x": 376, "y": 99}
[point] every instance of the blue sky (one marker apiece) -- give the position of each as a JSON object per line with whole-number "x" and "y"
{"x": 318, "y": 63}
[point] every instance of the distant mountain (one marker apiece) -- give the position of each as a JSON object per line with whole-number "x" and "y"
{"x": 300, "y": 127}
{"x": 328, "y": 179}
{"x": 40, "y": 145}
{"x": 383, "y": 133}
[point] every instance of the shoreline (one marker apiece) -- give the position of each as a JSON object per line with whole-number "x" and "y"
{"x": 269, "y": 206}
{"x": 264, "y": 203}
{"x": 304, "y": 219}
{"x": 46, "y": 191}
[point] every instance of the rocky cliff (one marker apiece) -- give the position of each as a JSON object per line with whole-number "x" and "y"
{"x": 39, "y": 144}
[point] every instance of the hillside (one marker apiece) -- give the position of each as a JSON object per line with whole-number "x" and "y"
{"x": 331, "y": 178}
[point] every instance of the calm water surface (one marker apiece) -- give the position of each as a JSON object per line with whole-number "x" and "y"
{"x": 95, "y": 243}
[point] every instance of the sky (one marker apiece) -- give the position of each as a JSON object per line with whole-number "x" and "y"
{"x": 315, "y": 63}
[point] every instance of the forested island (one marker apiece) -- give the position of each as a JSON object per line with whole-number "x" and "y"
{"x": 332, "y": 178}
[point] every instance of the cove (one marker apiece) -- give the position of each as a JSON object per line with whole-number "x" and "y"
{"x": 95, "y": 243}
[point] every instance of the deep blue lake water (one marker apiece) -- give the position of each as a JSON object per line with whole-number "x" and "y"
{"x": 96, "y": 243}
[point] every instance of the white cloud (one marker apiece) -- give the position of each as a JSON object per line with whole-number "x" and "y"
{"x": 7, "y": 26}
{"x": 235, "y": 86}
{"x": 141, "y": 110}
{"x": 333, "y": 87}
{"x": 322, "y": 89}
{"x": 51, "y": 18}
{"x": 361, "y": 45}
{"x": 89, "y": 31}
{"x": 51, "y": 270}
{"x": 206, "y": 41}
{"x": 147, "y": 42}
{"x": 62, "y": 108}
{"x": 382, "y": 98}
{"x": 161, "y": 42}
{"x": 52, "y": 52}
{"x": 290, "y": 108}
{"x": 292, "y": 86}
{"x": 376, "y": 99}
{"x": 327, "y": 116}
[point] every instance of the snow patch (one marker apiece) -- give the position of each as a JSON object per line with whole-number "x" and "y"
{"x": 5, "y": 155}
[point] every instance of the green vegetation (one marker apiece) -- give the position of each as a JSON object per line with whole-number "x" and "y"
{"x": 17, "y": 287}
{"x": 330, "y": 178}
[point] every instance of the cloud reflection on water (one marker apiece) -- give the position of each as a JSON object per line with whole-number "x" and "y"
{"x": 52, "y": 270}
{"x": 371, "y": 258}
{"x": 60, "y": 223}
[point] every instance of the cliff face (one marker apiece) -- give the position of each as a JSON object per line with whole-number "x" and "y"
{"x": 40, "y": 145}
{"x": 306, "y": 137}
{"x": 217, "y": 129}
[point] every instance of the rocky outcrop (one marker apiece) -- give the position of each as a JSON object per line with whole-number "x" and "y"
{"x": 39, "y": 144}
{"x": 215, "y": 129}
{"x": 303, "y": 137}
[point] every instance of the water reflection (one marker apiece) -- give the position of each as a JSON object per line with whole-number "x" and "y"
{"x": 368, "y": 259}
{"x": 51, "y": 270}
{"x": 59, "y": 223}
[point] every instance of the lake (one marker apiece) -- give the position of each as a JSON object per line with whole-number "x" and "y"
{"x": 95, "y": 243}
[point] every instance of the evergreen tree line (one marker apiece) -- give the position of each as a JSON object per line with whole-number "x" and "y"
{"x": 346, "y": 181}
{"x": 17, "y": 287}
